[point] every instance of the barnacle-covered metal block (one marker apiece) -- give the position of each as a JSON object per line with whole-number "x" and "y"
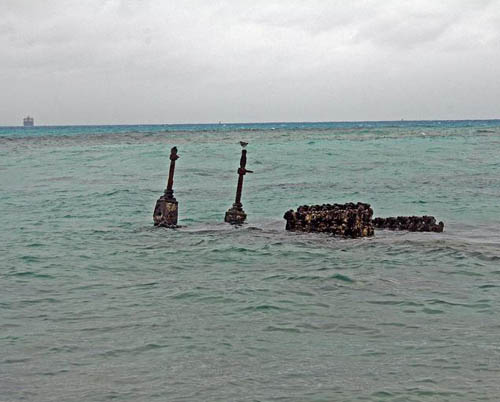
{"x": 410, "y": 223}
{"x": 346, "y": 220}
{"x": 235, "y": 215}
{"x": 166, "y": 212}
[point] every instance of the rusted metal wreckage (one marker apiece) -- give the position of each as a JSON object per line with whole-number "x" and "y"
{"x": 166, "y": 210}
{"x": 235, "y": 215}
{"x": 353, "y": 220}
{"x": 410, "y": 223}
{"x": 345, "y": 220}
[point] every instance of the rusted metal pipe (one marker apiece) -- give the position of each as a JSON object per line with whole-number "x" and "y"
{"x": 169, "y": 192}
{"x": 241, "y": 172}
{"x": 235, "y": 214}
{"x": 166, "y": 210}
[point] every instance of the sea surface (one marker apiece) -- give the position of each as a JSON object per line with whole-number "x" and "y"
{"x": 96, "y": 304}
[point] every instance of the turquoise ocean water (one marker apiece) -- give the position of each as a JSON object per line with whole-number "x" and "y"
{"x": 96, "y": 304}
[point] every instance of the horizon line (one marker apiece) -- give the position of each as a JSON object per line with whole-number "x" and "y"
{"x": 249, "y": 123}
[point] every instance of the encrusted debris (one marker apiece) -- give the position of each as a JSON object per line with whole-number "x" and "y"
{"x": 347, "y": 220}
{"x": 409, "y": 223}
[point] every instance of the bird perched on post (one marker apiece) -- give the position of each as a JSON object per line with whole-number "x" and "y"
{"x": 243, "y": 144}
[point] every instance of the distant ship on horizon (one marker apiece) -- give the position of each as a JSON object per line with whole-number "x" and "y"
{"x": 28, "y": 121}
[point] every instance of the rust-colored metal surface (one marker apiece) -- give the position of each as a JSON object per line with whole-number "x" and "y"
{"x": 166, "y": 210}
{"x": 169, "y": 192}
{"x": 235, "y": 215}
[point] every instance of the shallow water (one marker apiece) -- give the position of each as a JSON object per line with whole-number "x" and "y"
{"x": 96, "y": 304}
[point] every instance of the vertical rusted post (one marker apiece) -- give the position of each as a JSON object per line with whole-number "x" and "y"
{"x": 169, "y": 192}
{"x": 166, "y": 209}
{"x": 235, "y": 214}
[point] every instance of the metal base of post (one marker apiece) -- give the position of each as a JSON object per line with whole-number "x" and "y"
{"x": 235, "y": 215}
{"x": 165, "y": 213}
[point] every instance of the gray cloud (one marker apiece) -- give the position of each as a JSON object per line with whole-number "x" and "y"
{"x": 128, "y": 61}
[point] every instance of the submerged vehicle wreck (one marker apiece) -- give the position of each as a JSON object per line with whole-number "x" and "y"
{"x": 348, "y": 220}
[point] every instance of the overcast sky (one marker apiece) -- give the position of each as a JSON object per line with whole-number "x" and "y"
{"x": 174, "y": 61}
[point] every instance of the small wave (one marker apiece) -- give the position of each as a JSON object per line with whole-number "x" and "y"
{"x": 343, "y": 278}
{"x": 31, "y": 274}
{"x": 489, "y": 286}
{"x": 14, "y": 361}
{"x": 382, "y": 394}
{"x": 282, "y": 329}
{"x": 185, "y": 295}
{"x": 139, "y": 285}
{"x": 264, "y": 308}
{"x": 427, "y": 310}
{"x": 132, "y": 351}
{"x": 392, "y": 324}
{"x": 30, "y": 258}
{"x": 216, "y": 299}
{"x": 114, "y": 192}
{"x": 434, "y": 393}
{"x": 395, "y": 303}
{"x": 38, "y": 301}
{"x": 465, "y": 273}
{"x": 444, "y": 302}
